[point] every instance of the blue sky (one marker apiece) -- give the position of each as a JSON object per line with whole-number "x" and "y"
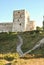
{"x": 35, "y": 8}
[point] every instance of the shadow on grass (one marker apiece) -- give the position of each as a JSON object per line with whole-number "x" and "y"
{"x": 32, "y": 57}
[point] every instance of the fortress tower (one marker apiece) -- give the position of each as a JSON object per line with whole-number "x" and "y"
{"x": 20, "y": 21}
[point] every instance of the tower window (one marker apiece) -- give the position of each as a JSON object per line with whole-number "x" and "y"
{"x": 20, "y": 24}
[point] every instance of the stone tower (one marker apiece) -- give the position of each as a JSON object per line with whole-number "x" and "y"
{"x": 20, "y": 21}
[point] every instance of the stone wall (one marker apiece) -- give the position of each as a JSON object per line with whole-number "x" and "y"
{"x": 27, "y": 20}
{"x": 5, "y": 27}
{"x": 18, "y": 21}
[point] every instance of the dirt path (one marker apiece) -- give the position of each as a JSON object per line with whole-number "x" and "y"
{"x": 19, "y": 46}
{"x": 35, "y": 61}
{"x": 38, "y": 44}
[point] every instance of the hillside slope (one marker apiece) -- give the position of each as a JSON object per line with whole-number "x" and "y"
{"x": 30, "y": 40}
{"x": 8, "y": 42}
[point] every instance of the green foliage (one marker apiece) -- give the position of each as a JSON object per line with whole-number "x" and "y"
{"x": 11, "y": 56}
{"x": 30, "y": 40}
{"x": 39, "y": 28}
{"x": 2, "y": 62}
{"x": 8, "y": 42}
{"x": 8, "y": 58}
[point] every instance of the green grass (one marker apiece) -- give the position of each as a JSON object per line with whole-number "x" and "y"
{"x": 30, "y": 40}
{"x": 9, "y": 41}
{"x": 2, "y": 62}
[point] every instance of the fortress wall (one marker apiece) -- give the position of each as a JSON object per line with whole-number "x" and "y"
{"x": 32, "y": 25}
{"x": 5, "y": 27}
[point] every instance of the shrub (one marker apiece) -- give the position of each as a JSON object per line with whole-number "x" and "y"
{"x": 8, "y": 58}
{"x": 11, "y": 56}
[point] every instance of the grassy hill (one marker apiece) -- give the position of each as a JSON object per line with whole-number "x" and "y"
{"x": 9, "y": 41}
{"x": 30, "y": 40}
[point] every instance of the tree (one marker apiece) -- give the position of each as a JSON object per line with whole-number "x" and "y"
{"x": 39, "y": 28}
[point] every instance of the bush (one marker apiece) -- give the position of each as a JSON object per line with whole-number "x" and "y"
{"x": 2, "y": 62}
{"x": 8, "y": 58}
{"x": 11, "y": 56}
